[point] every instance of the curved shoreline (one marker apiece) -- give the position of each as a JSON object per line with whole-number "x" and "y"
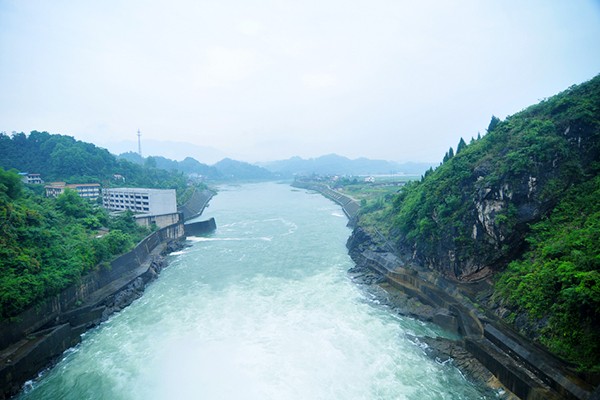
{"x": 519, "y": 365}
{"x": 35, "y": 338}
{"x": 196, "y": 204}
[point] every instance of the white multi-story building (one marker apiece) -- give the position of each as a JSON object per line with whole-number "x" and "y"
{"x": 140, "y": 200}
{"x": 89, "y": 191}
{"x": 32, "y": 179}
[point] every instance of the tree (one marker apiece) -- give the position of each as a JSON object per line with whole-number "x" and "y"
{"x": 461, "y": 145}
{"x": 449, "y": 154}
{"x": 10, "y": 184}
{"x": 150, "y": 162}
{"x": 493, "y": 123}
{"x": 117, "y": 242}
{"x": 72, "y": 205}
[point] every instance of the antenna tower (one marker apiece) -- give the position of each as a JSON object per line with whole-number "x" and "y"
{"x": 139, "y": 135}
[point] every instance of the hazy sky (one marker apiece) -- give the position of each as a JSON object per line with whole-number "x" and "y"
{"x": 268, "y": 79}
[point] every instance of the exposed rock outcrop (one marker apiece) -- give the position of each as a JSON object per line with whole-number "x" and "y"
{"x": 488, "y": 352}
{"x": 136, "y": 288}
{"x": 470, "y": 216}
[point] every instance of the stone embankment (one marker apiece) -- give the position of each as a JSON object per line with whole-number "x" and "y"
{"x": 35, "y": 338}
{"x": 491, "y": 347}
{"x": 521, "y": 366}
{"x": 200, "y": 228}
{"x": 349, "y": 205}
{"x": 196, "y": 204}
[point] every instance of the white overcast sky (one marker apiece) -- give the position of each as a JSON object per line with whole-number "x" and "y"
{"x": 269, "y": 79}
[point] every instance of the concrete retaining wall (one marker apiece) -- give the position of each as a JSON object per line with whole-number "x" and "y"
{"x": 36, "y": 336}
{"x": 462, "y": 319}
{"x": 537, "y": 362}
{"x": 200, "y": 228}
{"x": 196, "y": 204}
{"x": 160, "y": 221}
{"x": 528, "y": 372}
{"x": 514, "y": 378}
{"x": 349, "y": 205}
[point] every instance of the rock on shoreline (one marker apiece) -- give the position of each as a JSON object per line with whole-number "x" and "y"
{"x": 439, "y": 349}
{"x": 42, "y": 348}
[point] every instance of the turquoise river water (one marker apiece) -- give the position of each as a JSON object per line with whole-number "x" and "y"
{"x": 261, "y": 309}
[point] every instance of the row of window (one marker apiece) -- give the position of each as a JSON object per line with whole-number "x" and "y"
{"x": 110, "y": 201}
{"x": 128, "y": 207}
{"x": 137, "y": 196}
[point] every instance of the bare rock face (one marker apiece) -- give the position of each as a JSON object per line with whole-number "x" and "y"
{"x": 496, "y": 203}
{"x": 490, "y": 204}
{"x": 501, "y": 216}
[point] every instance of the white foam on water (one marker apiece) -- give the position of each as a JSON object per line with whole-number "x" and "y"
{"x": 225, "y": 239}
{"x": 252, "y": 313}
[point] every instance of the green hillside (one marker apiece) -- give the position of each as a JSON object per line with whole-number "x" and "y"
{"x": 47, "y": 244}
{"x": 62, "y": 158}
{"x": 519, "y": 205}
{"x": 554, "y": 289}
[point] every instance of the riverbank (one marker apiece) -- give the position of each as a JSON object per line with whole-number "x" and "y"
{"x": 196, "y": 204}
{"x": 348, "y": 204}
{"x": 519, "y": 365}
{"x": 32, "y": 341}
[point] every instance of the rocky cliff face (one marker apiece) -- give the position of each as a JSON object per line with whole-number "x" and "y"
{"x": 470, "y": 216}
{"x": 525, "y": 195}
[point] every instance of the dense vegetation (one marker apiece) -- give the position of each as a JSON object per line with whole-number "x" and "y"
{"x": 62, "y": 158}
{"x": 558, "y": 279}
{"x": 188, "y": 165}
{"x": 525, "y": 194}
{"x": 47, "y": 244}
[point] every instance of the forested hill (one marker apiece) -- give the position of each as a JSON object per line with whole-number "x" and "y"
{"x": 62, "y": 158}
{"x": 47, "y": 244}
{"x": 188, "y": 166}
{"x": 471, "y": 215}
{"x": 524, "y": 200}
{"x": 224, "y": 170}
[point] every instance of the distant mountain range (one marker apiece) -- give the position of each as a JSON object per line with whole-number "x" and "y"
{"x": 168, "y": 149}
{"x": 333, "y": 164}
{"x": 232, "y": 169}
{"x": 224, "y": 170}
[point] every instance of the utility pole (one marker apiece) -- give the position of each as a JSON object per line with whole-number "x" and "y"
{"x": 139, "y": 135}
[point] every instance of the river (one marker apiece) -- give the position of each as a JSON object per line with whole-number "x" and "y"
{"x": 260, "y": 309}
